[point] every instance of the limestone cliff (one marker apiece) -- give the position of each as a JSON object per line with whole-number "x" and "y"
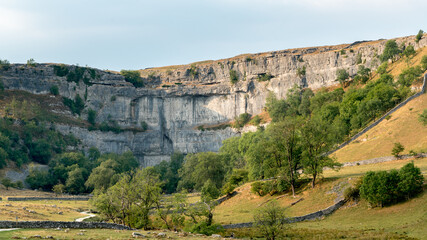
{"x": 178, "y": 99}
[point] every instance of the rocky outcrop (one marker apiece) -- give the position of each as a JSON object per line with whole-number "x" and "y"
{"x": 178, "y": 99}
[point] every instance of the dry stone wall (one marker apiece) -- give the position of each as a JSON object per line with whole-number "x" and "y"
{"x": 54, "y": 224}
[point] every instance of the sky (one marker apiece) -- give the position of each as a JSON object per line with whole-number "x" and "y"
{"x": 138, "y": 34}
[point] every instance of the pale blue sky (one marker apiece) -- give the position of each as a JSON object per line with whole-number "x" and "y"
{"x": 136, "y": 34}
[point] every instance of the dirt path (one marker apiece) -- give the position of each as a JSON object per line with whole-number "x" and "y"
{"x": 89, "y": 215}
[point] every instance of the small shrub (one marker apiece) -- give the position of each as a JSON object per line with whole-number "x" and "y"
{"x": 343, "y": 52}
{"x": 144, "y": 126}
{"x": 4, "y": 65}
{"x": 423, "y": 117}
{"x": 419, "y": 36}
{"x": 413, "y": 153}
{"x": 258, "y": 188}
{"x": 300, "y": 59}
{"x": 133, "y": 77}
{"x": 91, "y": 116}
{"x": 201, "y": 128}
{"x": 397, "y": 149}
{"x": 241, "y": 120}
{"x": 270, "y": 221}
{"x": 351, "y": 193}
{"x": 264, "y": 77}
{"x": 31, "y": 62}
{"x": 424, "y": 63}
{"x": 54, "y": 90}
{"x": 204, "y": 228}
{"x": 359, "y": 58}
{"x": 19, "y": 185}
{"x": 409, "y": 51}
{"x": 192, "y": 71}
{"x": 382, "y": 69}
{"x": 113, "y": 98}
{"x": 388, "y": 117}
{"x": 60, "y": 70}
{"x": 234, "y": 77}
{"x": 351, "y": 50}
{"x": 256, "y": 120}
{"x": 301, "y": 71}
{"x": 75, "y": 106}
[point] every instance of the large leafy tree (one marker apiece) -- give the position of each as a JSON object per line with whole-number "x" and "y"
{"x": 316, "y": 141}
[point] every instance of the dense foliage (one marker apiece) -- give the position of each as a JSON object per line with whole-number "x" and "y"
{"x": 384, "y": 188}
{"x": 133, "y": 77}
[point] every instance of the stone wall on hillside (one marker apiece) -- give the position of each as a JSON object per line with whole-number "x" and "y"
{"x": 63, "y": 225}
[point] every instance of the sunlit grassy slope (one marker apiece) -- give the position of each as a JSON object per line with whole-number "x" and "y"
{"x": 403, "y": 127}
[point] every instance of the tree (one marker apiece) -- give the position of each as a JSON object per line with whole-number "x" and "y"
{"x": 397, "y": 149}
{"x": 391, "y": 49}
{"x": 199, "y": 168}
{"x": 7, "y": 183}
{"x": 411, "y": 180}
{"x": 58, "y": 189}
{"x": 209, "y": 191}
{"x": 342, "y": 77}
{"x": 146, "y": 193}
{"x": 419, "y": 36}
{"x": 130, "y": 199}
{"x": 270, "y": 221}
{"x": 75, "y": 182}
{"x": 316, "y": 142}
{"x": 284, "y": 149}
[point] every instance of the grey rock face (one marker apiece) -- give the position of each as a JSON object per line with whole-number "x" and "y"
{"x": 176, "y": 100}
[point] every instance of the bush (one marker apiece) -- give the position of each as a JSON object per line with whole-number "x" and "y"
{"x": 409, "y": 75}
{"x": 241, "y": 120}
{"x": 342, "y": 76}
{"x": 409, "y": 51}
{"x": 4, "y": 65}
{"x": 54, "y": 90}
{"x": 384, "y": 188}
{"x": 144, "y": 126}
{"x": 382, "y": 69}
{"x": 424, "y": 63}
{"x": 391, "y": 49}
{"x": 256, "y": 120}
{"x": 264, "y": 77}
{"x": 301, "y": 71}
{"x": 91, "y": 116}
{"x": 133, "y": 77}
{"x": 363, "y": 74}
{"x": 234, "y": 77}
{"x": 397, "y": 149}
{"x": 31, "y": 62}
{"x": 423, "y": 117}
{"x": 60, "y": 70}
{"x": 258, "y": 188}
{"x": 75, "y": 106}
{"x": 419, "y": 36}
{"x": 203, "y": 228}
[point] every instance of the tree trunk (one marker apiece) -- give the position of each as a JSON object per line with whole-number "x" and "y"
{"x": 313, "y": 182}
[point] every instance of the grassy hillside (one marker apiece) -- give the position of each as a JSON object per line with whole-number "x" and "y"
{"x": 403, "y": 127}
